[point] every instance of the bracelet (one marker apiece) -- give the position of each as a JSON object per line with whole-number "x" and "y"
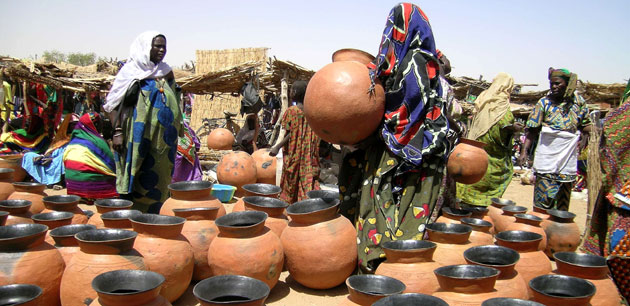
{"x": 118, "y": 129}
{"x": 117, "y": 134}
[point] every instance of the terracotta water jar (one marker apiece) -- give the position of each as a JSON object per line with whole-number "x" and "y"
{"x": 14, "y": 161}
{"x": 232, "y": 290}
{"x": 592, "y": 268}
{"x": 30, "y": 191}
{"x": 504, "y": 220}
{"x": 53, "y": 220}
{"x": 319, "y": 243}
{"x": 4, "y": 215}
{"x": 451, "y": 240}
{"x": 68, "y": 203}
{"x": 199, "y": 229}
{"x": 220, "y": 139}
{"x": 20, "y": 294}
{"x": 275, "y": 208}
{"x": 563, "y": 235}
{"x": 265, "y": 166}
{"x": 529, "y": 223}
{"x": 19, "y": 211}
{"x": 510, "y": 283}
{"x": 480, "y": 234}
{"x": 236, "y": 168}
{"x": 496, "y": 208}
{"x": 165, "y": 251}
{"x": 6, "y": 180}
{"x": 502, "y": 301}
{"x": 245, "y": 246}
{"x": 468, "y": 162}
{"x": 65, "y": 241}
{"x": 328, "y": 195}
{"x": 258, "y": 189}
{"x": 365, "y": 290}
{"x": 409, "y": 299}
{"x": 533, "y": 262}
{"x": 562, "y": 290}
{"x": 480, "y": 212}
{"x": 129, "y": 288}
{"x": 453, "y": 215}
{"x": 119, "y": 218}
{"x": 25, "y": 258}
{"x": 539, "y": 212}
{"x": 100, "y": 251}
{"x": 188, "y": 194}
{"x": 466, "y": 284}
{"x": 107, "y": 205}
{"x": 348, "y": 54}
{"x": 411, "y": 261}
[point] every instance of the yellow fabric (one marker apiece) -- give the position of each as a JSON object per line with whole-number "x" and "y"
{"x": 491, "y": 105}
{"x": 85, "y": 156}
{"x": 6, "y": 108}
{"x": 8, "y": 137}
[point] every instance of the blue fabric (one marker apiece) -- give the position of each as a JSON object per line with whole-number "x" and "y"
{"x": 48, "y": 175}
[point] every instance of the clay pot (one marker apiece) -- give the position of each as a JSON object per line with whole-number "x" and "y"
{"x": 410, "y": 299}
{"x": 237, "y": 169}
{"x": 529, "y": 223}
{"x": 510, "y": 283}
{"x": 20, "y": 294}
{"x": 165, "y": 251}
{"x": 265, "y": 166}
{"x": 53, "y": 220}
{"x": 496, "y": 209}
{"x": 237, "y": 205}
{"x": 199, "y": 230}
{"x": 14, "y": 162}
{"x": 100, "y": 251}
{"x": 411, "y": 261}
{"x": 364, "y": 290}
{"x": 451, "y": 240}
{"x": 509, "y": 302}
{"x": 338, "y": 96}
{"x": 468, "y": 162}
{"x": 231, "y": 290}
{"x": 69, "y": 203}
{"x": 245, "y": 246}
{"x": 562, "y": 290}
{"x": 533, "y": 262}
{"x": 26, "y": 259}
{"x": 189, "y": 194}
{"x": 4, "y": 215}
{"x": 349, "y": 54}
{"x": 6, "y": 180}
{"x": 480, "y": 212}
{"x": 129, "y": 288}
{"x": 220, "y": 139}
{"x": 466, "y": 284}
{"x": 276, "y": 220}
{"x": 19, "y": 211}
{"x": 539, "y": 212}
{"x": 119, "y": 218}
{"x": 327, "y": 195}
{"x": 258, "y": 189}
{"x": 480, "y": 234}
{"x": 503, "y": 221}
{"x": 563, "y": 235}
{"x": 107, "y": 205}
{"x": 592, "y": 268}
{"x": 319, "y": 243}
{"x": 65, "y": 241}
{"x": 30, "y": 191}
{"x": 453, "y": 215}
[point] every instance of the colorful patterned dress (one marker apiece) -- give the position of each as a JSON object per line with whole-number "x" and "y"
{"x": 300, "y": 168}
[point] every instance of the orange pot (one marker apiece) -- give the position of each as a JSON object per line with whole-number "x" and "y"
{"x": 481, "y": 212}
{"x": 563, "y": 235}
{"x": 14, "y": 162}
{"x": 451, "y": 240}
{"x": 411, "y": 261}
{"x": 258, "y": 189}
{"x": 265, "y": 166}
{"x": 539, "y": 212}
{"x": 220, "y": 139}
{"x": 274, "y": 208}
{"x": 119, "y": 218}
{"x": 480, "y": 234}
{"x": 6, "y": 183}
{"x": 237, "y": 169}
{"x": 529, "y": 223}
{"x": 53, "y": 220}
{"x": 453, "y": 215}
{"x": 365, "y": 290}
{"x": 562, "y": 290}
{"x": 468, "y": 162}
{"x": 199, "y": 230}
{"x": 504, "y": 220}
{"x": 496, "y": 208}
{"x": 510, "y": 283}
{"x": 129, "y": 287}
{"x": 30, "y": 191}
{"x": 107, "y": 205}
{"x": 189, "y": 194}
{"x": 69, "y": 203}
{"x": 65, "y": 241}
{"x": 533, "y": 262}
{"x": 462, "y": 285}
{"x": 349, "y": 54}
{"x": 19, "y": 211}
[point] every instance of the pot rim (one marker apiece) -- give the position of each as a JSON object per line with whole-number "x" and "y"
{"x": 325, "y": 205}
{"x": 504, "y": 301}
{"x": 561, "y": 214}
{"x": 251, "y": 188}
{"x": 226, "y": 220}
{"x": 488, "y": 248}
{"x": 62, "y": 199}
{"x": 528, "y": 217}
{"x": 564, "y": 278}
{"x": 453, "y": 228}
{"x": 502, "y": 201}
{"x": 569, "y": 259}
{"x": 107, "y": 203}
{"x": 456, "y": 212}
{"x": 27, "y": 184}
{"x": 476, "y": 222}
{"x": 24, "y": 202}
{"x": 414, "y": 297}
{"x": 118, "y": 234}
{"x": 6, "y": 170}
{"x": 225, "y": 279}
{"x": 190, "y": 186}
{"x": 533, "y": 236}
{"x": 120, "y": 214}
{"x": 31, "y": 229}
{"x": 398, "y": 245}
{"x": 354, "y": 282}
{"x": 54, "y": 216}
{"x": 33, "y": 291}
{"x": 153, "y": 219}
{"x": 488, "y": 272}
{"x": 515, "y": 208}
{"x": 156, "y": 278}
{"x": 273, "y": 202}
{"x": 195, "y": 209}
{"x": 70, "y": 230}
{"x": 312, "y": 194}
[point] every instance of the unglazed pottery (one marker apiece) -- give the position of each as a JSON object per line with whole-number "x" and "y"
{"x": 65, "y": 241}
{"x": 365, "y": 290}
{"x": 30, "y": 191}
{"x": 129, "y": 288}
{"x": 231, "y": 290}
{"x": 199, "y": 230}
{"x": 510, "y": 283}
{"x": 529, "y": 223}
{"x": 563, "y": 235}
{"x": 19, "y": 211}
{"x": 274, "y": 208}
{"x": 451, "y": 240}
{"x": 188, "y": 194}
{"x": 562, "y": 290}
{"x": 480, "y": 234}
{"x": 411, "y": 261}
{"x": 6, "y": 180}
{"x": 466, "y": 284}
{"x": 468, "y": 162}
{"x": 107, "y": 205}
{"x": 67, "y": 203}
{"x": 237, "y": 169}
{"x": 533, "y": 262}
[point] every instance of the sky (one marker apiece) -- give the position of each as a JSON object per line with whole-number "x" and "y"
{"x": 523, "y": 38}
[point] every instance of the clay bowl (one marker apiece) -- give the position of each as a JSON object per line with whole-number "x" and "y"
{"x": 312, "y": 210}
{"x": 242, "y": 222}
{"x": 367, "y": 289}
{"x": 562, "y": 215}
{"x": 133, "y": 286}
{"x": 190, "y": 186}
{"x": 142, "y": 221}
{"x": 561, "y": 290}
{"x": 494, "y": 256}
{"x": 449, "y": 233}
{"x": 107, "y": 205}
{"x": 455, "y": 213}
{"x": 410, "y": 299}
{"x": 501, "y": 301}
{"x": 481, "y": 225}
{"x": 108, "y": 241}
{"x": 21, "y": 236}
{"x": 589, "y": 266}
{"x": 53, "y": 219}
{"x": 467, "y": 278}
{"x": 261, "y": 189}
{"x": 502, "y": 202}
{"x": 327, "y": 195}
{"x": 518, "y": 236}
{"x": 513, "y": 209}
{"x": 19, "y": 294}
{"x": 15, "y": 206}
{"x": 231, "y": 290}
{"x": 64, "y": 235}
{"x": 119, "y": 218}
{"x": 272, "y": 206}
{"x": 409, "y": 250}
{"x": 476, "y": 211}
{"x": 3, "y": 218}
{"x": 59, "y": 202}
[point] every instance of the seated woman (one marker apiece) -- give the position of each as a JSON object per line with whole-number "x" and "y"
{"x": 90, "y": 168}
{"x": 30, "y": 138}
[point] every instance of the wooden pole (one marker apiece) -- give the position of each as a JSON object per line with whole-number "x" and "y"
{"x": 284, "y": 99}
{"x": 594, "y": 170}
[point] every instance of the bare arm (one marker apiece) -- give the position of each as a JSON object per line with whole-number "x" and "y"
{"x": 530, "y": 136}
{"x": 274, "y": 150}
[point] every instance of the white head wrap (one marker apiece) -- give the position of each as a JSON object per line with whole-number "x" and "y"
{"x": 138, "y": 67}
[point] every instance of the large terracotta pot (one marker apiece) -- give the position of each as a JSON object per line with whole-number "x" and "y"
{"x": 365, "y": 290}
{"x": 119, "y": 218}
{"x": 563, "y": 235}
{"x": 462, "y": 285}
{"x": 26, "y": 259}
{"x": 239, "y": 205}
{"x": 220, "y": 139}
{"x": 349, "y": 54}
{"x": 496, "y": 209}
{"x": 53, "y": 220}
{"x": 503, "y": 221}
{"x": 453, "y": 215}
{"x": 237, "y": 169}
{"x": 199, "y": 230}
{"x": 411, "y": 261}
{"x": 276, "y": 220}
{"x": 231, "y": 290}
{"x": 14, "y": 162}
{"x": 480, "y": 212}
{"x": 19, "y": 211}
{"x": 245, "y": 246}
{"x": 319, "y": 243}
{"x": 562, "y": 290}
{"x": 338, "y": 96}
{"x": 592, "y": 268}
{"x": 129, "y": 288}
{"x": 539, "y": 212}
{"x": 189, "y": 194}
{"x": 258, "y": 189}
{"x": 69, "y": 203}
{"x": 533, "y": 262}
{"x": 265, "y": 166}
{"x": 100, "y": 251}
{"x": 20, "y": 294}
{"x": 409, "y": 299}
{"x": 107, "y": 205}
{"x": 65, "y": 241}
{"x": 30, "y": 191}
{"x": 529, "y": 223}
{"x": 6, "y": 183}
{"x": 165, "y": 251}
{"x": 468, "y": 162}
{"x": 480, "y": 234}
{"x": 510, "y": 283}
{"x": 501, "y": 301}
{"x": 451, "y": 240}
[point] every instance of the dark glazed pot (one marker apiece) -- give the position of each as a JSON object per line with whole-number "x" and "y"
{"x": 481, "y": 212}
{"x": 364, "y": 290}
{"x": 529, "y": 223}
{"x": 107, "y": 205}
{"x": 189, "y": 194}
{"x": 509, "y": 302}
{"x": 53, "y": 220}
{"x": 30, "y": 191}
{"x": 129, "y": 287}
{"x": 275, "y": 208}
{"x": 562, "y": 290}
{"x": 563, "y": 235}
{"x": 452, "y": 240}
{"x": 411, "y": 261}
{"x": 20, "y": 294}
{"x": 6, "y": 180}
{"x": 4, "y": 215}
{"x": 480, "y": 234}
{"x": 466, "y": 284}
{"x": 504, "y": 220}
{"x": 199, "y": 230}
{"x": 19, "y": 211}
{"x": 65, "y": 241}
{"x": 453, "y": 215}
{"x": 67, "y": 203}
{"x": 410, "y": 299}
{"x": 533, "y": 262}
{"x": 231, "y": 290}
{"x": 119, "y": 218}
{"x": 258, "y": 189}
{"x": 327, "y": 195}
{"x": 496, "y": 208}
{"x": 510, "y": 283}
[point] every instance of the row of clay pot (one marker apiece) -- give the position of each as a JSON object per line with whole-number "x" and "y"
{"x": 20, "y": 206}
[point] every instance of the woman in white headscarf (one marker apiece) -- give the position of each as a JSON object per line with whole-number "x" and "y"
{"x": 144, "y": 109}
{"x": 492, "y": 124}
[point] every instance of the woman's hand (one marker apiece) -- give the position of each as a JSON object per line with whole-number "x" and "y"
{"x": 117, "y": 140}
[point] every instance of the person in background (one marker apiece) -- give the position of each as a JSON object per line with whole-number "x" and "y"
{"x": 557, "y": 121}
{"x": 31, "y": 138}
{"x": 187, "y": 165}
